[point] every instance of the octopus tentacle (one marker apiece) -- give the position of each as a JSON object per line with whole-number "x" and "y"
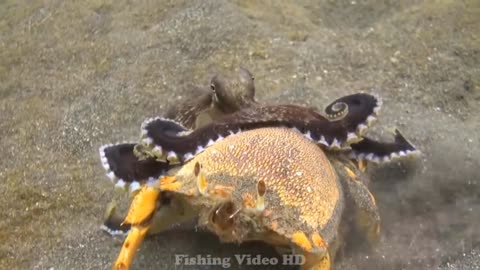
{"x": 198, "y": 101}
{"x": 162, "y": 143}
{"x": 168, "y": 140}
{"x": 150, "y": 148}
{"x": 381, "y": 152}
{"x": 354, "y": 112}
{"x": 113, "y": 223}
{"x": 125, "y": 169}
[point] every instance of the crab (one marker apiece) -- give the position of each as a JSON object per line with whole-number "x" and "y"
{"x": 168, "y": 149}
{"x": 267, "y": 184}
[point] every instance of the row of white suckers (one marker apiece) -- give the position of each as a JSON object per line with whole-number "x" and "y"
{"x": 119, "y": 183}
{"x": 172, "y": 157}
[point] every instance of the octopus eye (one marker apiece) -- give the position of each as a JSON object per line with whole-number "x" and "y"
{"x": 212, "y": 86}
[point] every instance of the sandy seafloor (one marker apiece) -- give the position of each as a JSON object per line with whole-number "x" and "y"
{"x": 78, "y": 74}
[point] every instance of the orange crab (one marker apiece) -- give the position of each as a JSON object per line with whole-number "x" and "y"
{"x": 268, "y": 184}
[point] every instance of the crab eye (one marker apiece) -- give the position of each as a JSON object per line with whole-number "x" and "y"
{"x": 196, "y": 169}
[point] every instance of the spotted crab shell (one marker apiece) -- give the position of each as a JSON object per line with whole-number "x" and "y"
{"x": 268, "y": 185}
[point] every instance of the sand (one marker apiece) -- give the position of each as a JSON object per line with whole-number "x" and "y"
{"x": 75, "y": 75}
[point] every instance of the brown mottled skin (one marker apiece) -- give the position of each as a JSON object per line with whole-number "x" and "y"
{"x": 228, "y": 93}
{"x": 234, "y": 90}
{"x": 190, "y": 110}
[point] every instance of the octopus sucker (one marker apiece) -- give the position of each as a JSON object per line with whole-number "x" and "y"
{"x": 308, "y": 135}
{"x": 147, "y": 141}
{"x": 296, "y": 130}
{"x": 210, "y": 142}
{"x": 134, "y": 186}
{"x": 112, "y": 176}
{"x": 105, "y": 163}
{"x": 323, "y": 141}
{"x": 157, "y": 151}
{"x": 120, "y": 184}
{"x": 370, "y": 120}
{"x": 108, "y": 229}
{"x": 352, "y": 138}
{"x": 103, "y": 158}
{"x": 199, "y": 149}
{"x": 187, "y": 156}
{"x": 172, "y": 158}
{"x": 361, "y": 129}
{"x": 335, "y": 144}
{"x": 143, "y": 133}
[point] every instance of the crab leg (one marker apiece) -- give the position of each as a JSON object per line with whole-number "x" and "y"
{"x": 314, "y": 250}
{"x": 362, "y": 165}
{"x": 139, "y": 216}
{"x": 130, "y": 246}
{"x": 316, "y": 262}
{"x": 366, "y": 216}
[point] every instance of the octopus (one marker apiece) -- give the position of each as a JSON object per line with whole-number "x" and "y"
{"x": 230, "y": 108}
